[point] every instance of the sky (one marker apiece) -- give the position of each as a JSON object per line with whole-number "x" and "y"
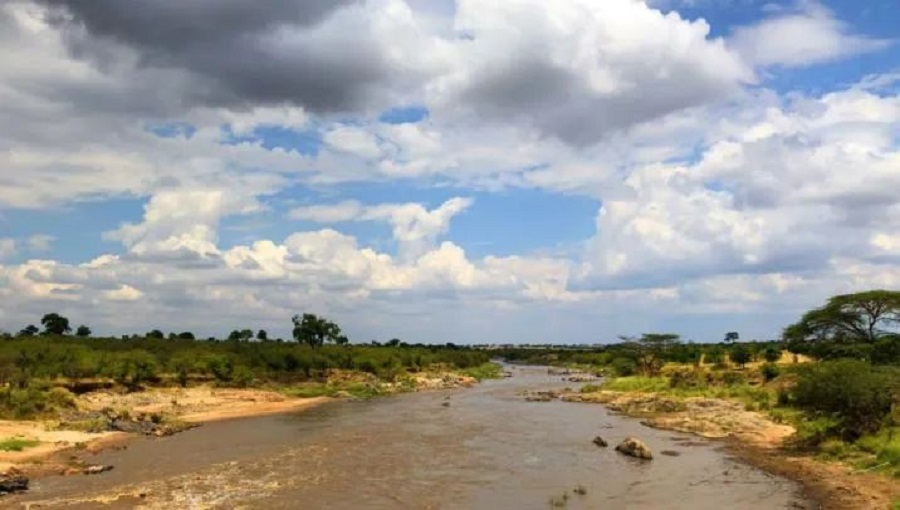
{"x": 477, "y": 171}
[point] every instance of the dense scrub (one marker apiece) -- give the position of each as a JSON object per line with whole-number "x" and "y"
{"x": 31, "y": 365}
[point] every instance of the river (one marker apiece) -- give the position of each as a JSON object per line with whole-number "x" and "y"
{"x": 487, "y": 449}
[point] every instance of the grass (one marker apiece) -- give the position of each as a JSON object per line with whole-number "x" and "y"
{"x": 482, "y": 372}
{"x": 17, "y": 444}
{"x": 754, "y": 397}
{"x": 354, "y": 389}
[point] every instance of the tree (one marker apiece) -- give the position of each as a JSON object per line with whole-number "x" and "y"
{"x": 342, "y": 340}
{"x": 240, "y": 335}
{"x": 772, "y": 354}
{"x": 740, "y": 354}
{"x": 262, "y": 336}
{"x": 156, "y": 334}
{"x": 55, "y": 324}
{"x": 313, "y": 330}
{"x": 83, "y": 331}
{"x": 651, "y": 351}
{"x": 393, "y": 342}
{"x": 732, "y": 336}
{"x": 186, "y": 335}
{"x": 863, "y": 317}
{"x": 29, "y": 330}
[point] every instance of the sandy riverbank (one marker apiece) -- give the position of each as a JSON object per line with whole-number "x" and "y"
{"x": 180, "y": 407}
{"x": 191, "y": 405}
{"x": 758, "y": 440}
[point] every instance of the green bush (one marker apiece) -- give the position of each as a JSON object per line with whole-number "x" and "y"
{"x": 887, "y": 351}
{"x": 856, "y": 395}
{"x": 770, "y": 371}
{"x": 772, "y": 354}
{"x": 624, "y": 367}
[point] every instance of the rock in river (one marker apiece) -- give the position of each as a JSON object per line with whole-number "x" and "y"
{"x": 97, "y": 469}
{"x": 635, "y": 448}
{"x": 13, "y": 481}
{"x": 599, "y": 441}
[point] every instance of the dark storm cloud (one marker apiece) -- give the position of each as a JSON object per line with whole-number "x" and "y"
{"x": 240, "y": 53}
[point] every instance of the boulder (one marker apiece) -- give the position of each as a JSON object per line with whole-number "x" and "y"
{"x": 96, "y": 469}
{"x": 13, "y": 481}
{"x": 635, "y": 448}
{"x": 599, "y": 441}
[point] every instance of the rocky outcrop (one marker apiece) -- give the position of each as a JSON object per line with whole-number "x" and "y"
{"x": 110, "y": 420}
{"x": 635, "y": 448}
{"x": 599, "y": 441}
{"x": 13, "y": 481}
{"x": 541, "y": 396}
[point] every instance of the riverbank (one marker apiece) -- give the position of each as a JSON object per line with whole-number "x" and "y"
{"x": 755, "y": 438}
{"x": 109, "y": 418}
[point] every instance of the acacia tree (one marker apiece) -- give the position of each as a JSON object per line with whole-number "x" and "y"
{"x": 732, "y": 336}
{"x": 55, "y": 324}
{"x": 863, "y": 317}
{"x": 314, "y": 331}
{"x": 651, "y": 351}
{"x": 83, "y": 331}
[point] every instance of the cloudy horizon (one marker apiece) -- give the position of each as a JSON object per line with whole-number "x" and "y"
{"x": 512, "y": 171}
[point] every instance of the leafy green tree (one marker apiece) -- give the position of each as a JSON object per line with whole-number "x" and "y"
{"x": 732, "y": 336}
{"x": 156, "y": 334}
{"x": 863, "y": 317}
{"x": 342, "y": 340}
{"x": 313, "y": 330}
{"x": 740, "y": 354}
{"x": 772, "y": 354}
{"x": 393, "y": 342}
{"x": 186, "y": 335}
{"x": 262, "y": 335}
{"x": 55, "y": 324}
{"x": 83, "y": 331}
{"x": 651, "y": 351}
{"x": 29, "y": 330}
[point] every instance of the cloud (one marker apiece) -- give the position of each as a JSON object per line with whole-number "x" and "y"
{"x": 544, "y": 63}
{"x": 181, "y": 222}
{"x": 800, "y": 39}
{"x": 40, "y": 242}
{"x": 414, "y": 227}
{"x": 787, "y": 189}
{"x": 578, "y": 70}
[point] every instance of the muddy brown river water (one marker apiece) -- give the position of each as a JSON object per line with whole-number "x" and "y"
{"x": 489, "y": 449}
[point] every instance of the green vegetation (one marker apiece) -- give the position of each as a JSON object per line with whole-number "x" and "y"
{"x": 483, "y": 371}
{"x": 17, "y": 444}
{"x": 36, "y": 366}
{"x": 843, "y": 399}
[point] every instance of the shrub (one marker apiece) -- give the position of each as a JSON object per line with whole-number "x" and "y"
{"x": 772, "y": 354}
{"x": 732, "y": 378}
{"x": 855, "y": 394}
{"x": 887, "y": 351}
{"x": 770, "y": 371}
{"x": 624, "y": 367}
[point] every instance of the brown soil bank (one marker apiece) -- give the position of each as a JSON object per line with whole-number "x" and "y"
{"x": 759, "y": 441}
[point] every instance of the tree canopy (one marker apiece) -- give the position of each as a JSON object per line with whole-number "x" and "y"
{"x": 55, "y": 324}
{"x": 863, "y": 317}
{"x": 314, "y": 331}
